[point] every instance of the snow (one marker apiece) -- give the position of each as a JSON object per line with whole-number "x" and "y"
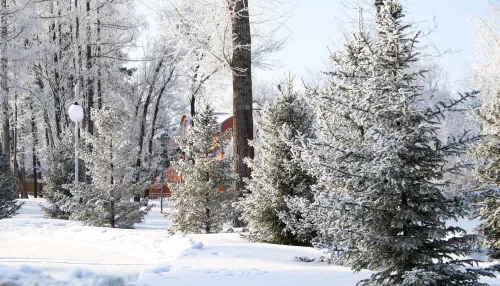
{"x": 33, "y": 248}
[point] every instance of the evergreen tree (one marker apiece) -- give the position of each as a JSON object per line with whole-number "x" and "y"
{"x": 8, "y": 191}
{"x": 107, "y": 199}
{"x": 276, "y": 175}
{"x": 201, "y": 202}
{"x": 487, "y": 174}
{"x": 338, "y": 128}
{"x": 382, "y": 197}
{"x": 60, "y": 172}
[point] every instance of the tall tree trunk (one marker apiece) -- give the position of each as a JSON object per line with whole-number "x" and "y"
{"x": 22, "y": 175}
{"x": 99, "y": 65}
{"x": 39, "y": 178}
{"x": 194, "y": 91}
{"x": 48, "y": 130}
{"x": 14, "y": 148}
{"x": 34, "y": 143}
{"x": 242, "y": 88}
{"x": 142, "y": 130}
{"x": 56, "y": 85}
{"x": 4, "y": 85}
{"x": 90, "y": 80}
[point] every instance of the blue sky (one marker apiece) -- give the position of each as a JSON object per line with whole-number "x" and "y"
{"x": 316, "y": 26}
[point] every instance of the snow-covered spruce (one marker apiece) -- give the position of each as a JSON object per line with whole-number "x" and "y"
{"x": 8, "y": 191}
{"x": 379, "y": 201}
{"x": 60, "y": 172}
{"x": 201, "y": 202}
{"x": 107, "y": 199}
{"x": 487, "y": 151}
{"x": 276, "y": 175}
{"x": 487, "y": 173}
{"x": 337, "y": 128}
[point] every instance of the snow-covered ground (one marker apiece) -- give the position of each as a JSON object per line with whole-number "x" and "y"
{"x": 32, "y": 246}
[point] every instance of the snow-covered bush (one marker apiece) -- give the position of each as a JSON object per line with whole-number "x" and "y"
{"x": 8, "y": 191}
{"x": 276, "y": 174}
{"x": 201, "y": 202}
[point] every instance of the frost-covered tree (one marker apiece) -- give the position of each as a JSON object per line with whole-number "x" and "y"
{"x": 276, "y": 175}
{"x": 201, "y": 202}
{"x": 487, "y": 152}
{"x": 8, "y": 191}
{"x": 488, "y": 176}
{"x": 107, "y": 199}
{"x": 60, "y": 172}
{"x": 380, "y": 200}
{"x": 337, "y": 128}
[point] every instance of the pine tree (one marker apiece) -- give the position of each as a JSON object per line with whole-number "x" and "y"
{"x": 380, "y": 200}
{"x": 487, "y": 173}
{"x": 8, "y": 191}
{"x": 276, "y": 175}
{"x": 107, "y": 199}
{"x": 201, "y": 202}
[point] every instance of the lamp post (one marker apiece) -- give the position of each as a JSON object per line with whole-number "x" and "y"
{"x": 161, "y": 190}
{"x": 75, "y": 112}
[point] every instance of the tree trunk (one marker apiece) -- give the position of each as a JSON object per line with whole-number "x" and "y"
{"x": 34, "y": 142}
{"x": 35, "y": 177}
{"x": 157, "y": 109}
{"x": 242, "y": 88}
{"x": 90, "y": 80}
{"x": 113, "y": 218}
{"x": 142, "y": 130}
{"x": 4, "y": 85}
{"x": 99, "y": 65}
{"x": 56, "y": 85}
{"x": 39, "y": 177}
{"x": 14, "y": 149}
{"x": 48, "y": 130}
{"x": 22, "y": 175}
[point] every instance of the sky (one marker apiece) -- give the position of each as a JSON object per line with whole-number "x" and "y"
{"x": 316, "y": 27}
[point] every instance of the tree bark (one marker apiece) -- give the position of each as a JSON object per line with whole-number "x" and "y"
{"x": 22, "y": 175}
{"x": 242, "y": 88}
{"x": 90, "y": 80}
{"x": 14, "y": 149}
{"x": 56, "y": 84}
{"x": 142, "y": 130}
{"x": 33, "y": 149}
{"x": 4, "y": 85}
{"x": 99, "y": 65}
{"x": 157, "y": 109}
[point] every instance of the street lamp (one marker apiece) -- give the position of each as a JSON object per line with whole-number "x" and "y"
{"x": 76, "y": 115}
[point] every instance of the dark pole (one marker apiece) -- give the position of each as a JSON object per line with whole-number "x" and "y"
{"x": 161, "y": 191}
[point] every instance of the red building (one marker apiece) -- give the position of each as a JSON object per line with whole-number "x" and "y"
{"x": 226, "y": 122}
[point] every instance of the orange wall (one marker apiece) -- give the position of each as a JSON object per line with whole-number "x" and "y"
{"x": 172, "y": 177}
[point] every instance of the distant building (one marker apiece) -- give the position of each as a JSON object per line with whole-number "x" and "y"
{"x": 226, "y": 123}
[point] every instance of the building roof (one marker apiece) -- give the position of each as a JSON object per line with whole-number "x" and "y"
{"x": 222, "y": 117}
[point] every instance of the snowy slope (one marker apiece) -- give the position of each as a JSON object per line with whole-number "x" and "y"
{"x": 148, "y": 256}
